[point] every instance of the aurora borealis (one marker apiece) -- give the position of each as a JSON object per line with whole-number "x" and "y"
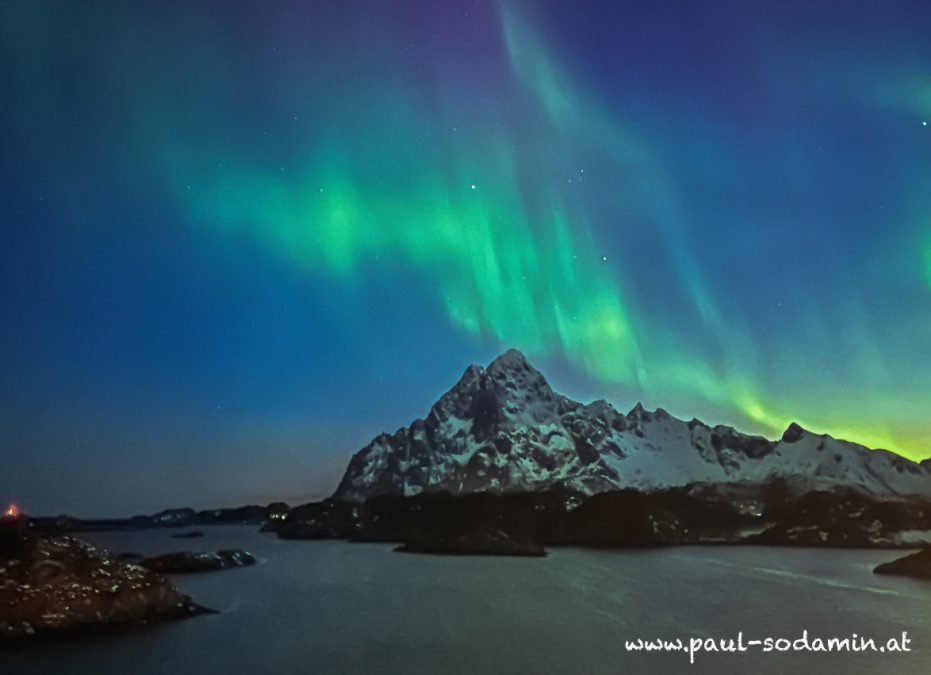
{"x": 247, "y": 239}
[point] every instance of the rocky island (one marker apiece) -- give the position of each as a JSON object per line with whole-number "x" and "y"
{"x": 56, "y": 586}
{"x": 185, "y": 562}
{"x": 917, "y": 565}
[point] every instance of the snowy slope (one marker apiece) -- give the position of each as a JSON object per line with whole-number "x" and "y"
{"x": 503, "y": 428}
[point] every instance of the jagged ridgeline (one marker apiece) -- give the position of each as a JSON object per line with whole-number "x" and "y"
{"x": 503, "y": 429}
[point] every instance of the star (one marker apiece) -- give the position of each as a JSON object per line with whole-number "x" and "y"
{"x": 472, "y": 187}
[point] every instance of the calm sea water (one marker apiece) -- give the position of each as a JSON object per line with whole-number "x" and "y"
{"x": 334, "y": 607}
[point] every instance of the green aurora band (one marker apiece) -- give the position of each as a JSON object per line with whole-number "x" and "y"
{"x": 389, "y": 189}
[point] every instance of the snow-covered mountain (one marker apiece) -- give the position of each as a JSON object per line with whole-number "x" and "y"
{"x": 503, "y": 428}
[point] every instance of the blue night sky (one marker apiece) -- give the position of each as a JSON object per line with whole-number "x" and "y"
{"x": 240, "y": 239}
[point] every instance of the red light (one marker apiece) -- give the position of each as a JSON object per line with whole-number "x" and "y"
{"x": 11, "y": 511}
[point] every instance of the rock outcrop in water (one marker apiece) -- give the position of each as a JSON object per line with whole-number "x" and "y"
{"x": 60, "y": 586}
{"x": 917, "y": 565}
{"x": 184, "y": 562}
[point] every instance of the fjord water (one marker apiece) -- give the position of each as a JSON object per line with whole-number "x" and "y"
{"x": 336, "y": 607}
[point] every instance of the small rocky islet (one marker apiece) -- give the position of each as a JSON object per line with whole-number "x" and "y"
{"x": 59, "y": 586}
{"x": 62, "y": 586}
{"x": 186, "y": 562}
{"x": 917, "y": 565}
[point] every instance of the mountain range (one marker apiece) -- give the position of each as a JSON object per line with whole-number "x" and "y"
{"x": 502, "y": 429}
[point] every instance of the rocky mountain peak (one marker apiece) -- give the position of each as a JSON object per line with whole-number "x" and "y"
{"x": 512, "y": 373}
{"x": 793, "y": 433}
{"x": 503, "y": 428}
{"x": 505, "y": 392}
{"x": 512, "y": 359}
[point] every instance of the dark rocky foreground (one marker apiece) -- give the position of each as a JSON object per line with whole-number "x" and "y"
{"x": 517, "y": 523}
{"x": 60, "y": 586}
{"x": 184, "y": 562}
{"x": 917, "y": 565}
